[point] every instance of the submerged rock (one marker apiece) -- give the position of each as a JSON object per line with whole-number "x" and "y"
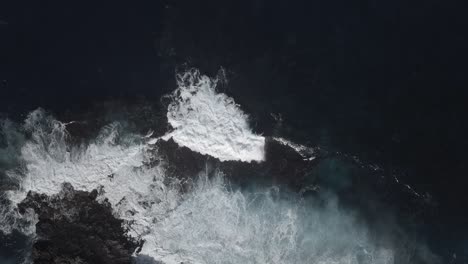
{"x": 73, "y": 227}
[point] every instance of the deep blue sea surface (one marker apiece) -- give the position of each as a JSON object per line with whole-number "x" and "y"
{"x": 378, "y": 87}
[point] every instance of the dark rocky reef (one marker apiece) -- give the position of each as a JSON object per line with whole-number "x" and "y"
{"x": 282, "y": 166}
{"x": 75, "y": 228}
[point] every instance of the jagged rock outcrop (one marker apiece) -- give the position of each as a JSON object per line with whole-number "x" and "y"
{"x": 282, "y": 165}
{"x": 75, "y": 228}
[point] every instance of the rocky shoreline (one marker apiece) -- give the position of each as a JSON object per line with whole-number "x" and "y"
{"x": 73, "y": 227}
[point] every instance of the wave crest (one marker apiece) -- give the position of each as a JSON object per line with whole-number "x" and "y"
{"x": 209, "y": 122}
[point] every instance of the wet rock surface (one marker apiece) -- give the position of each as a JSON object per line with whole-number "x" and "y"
{"x": 74, "y": 228}
{"x": 282, "y": 166}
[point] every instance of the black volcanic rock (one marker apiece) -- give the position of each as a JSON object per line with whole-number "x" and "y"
{"x": 282, "y": 165}
{"x": 75, "y": 228}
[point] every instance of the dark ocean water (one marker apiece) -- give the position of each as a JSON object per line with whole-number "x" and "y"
{"x": 384, "y": 81}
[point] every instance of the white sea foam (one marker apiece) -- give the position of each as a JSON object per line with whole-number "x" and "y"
{"x": 214, "y": 224}
{"x": 50, "y": 161}
{"x": 209, "y": 223}
{"x": 306, "y": 153}
{"x": 209, "y": 122}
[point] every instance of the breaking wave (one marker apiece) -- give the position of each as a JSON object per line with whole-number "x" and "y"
{"x": 209, "y": 122}
{"x": 212, "y": 221}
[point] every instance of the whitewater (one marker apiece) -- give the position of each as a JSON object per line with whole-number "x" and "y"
{"x": 209, "y": 122}
{"x": 210, "y": 222}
